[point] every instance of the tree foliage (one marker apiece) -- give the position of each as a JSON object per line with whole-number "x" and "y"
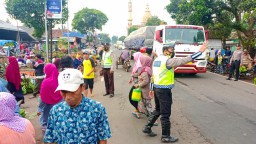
{"x": 31, "y": 13}
{"x": 62, "y": 43}
{"x": 122, "y": 38}
{"x": 131, "y": 29}
{"x": 219, "y": 16}
{"x": 114, "y": 39}
{"x": 104, "y": 38}
{"x": 89, "y": 20}
{"x": 154, "y": 21}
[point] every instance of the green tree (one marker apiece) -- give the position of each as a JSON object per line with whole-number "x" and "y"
{"x": 114, "y": 39}
{"x": 122, "y": 38}
{"x": 89, "y": 20}
{"x": 62, "y": 43}
{"x": 196, "y": 12}
{"x": 104, "y": 38}
{"x": 154, "y": 21}
{"x": 31, "y": 13}
{"x": 221, "y": 16}
{"x": 242, "y": 19}
{"x": 131, "y": 29}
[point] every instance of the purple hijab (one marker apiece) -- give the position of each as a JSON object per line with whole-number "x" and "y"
{"x": 7, "y": 116}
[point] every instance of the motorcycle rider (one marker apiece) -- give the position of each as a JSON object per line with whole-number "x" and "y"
{"x": 125, "y": 55}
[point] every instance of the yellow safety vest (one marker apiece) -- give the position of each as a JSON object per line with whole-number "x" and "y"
{"x": 107, "y": 60}
{"x": 162, "y": 77}
{"x": 87, "y": 68}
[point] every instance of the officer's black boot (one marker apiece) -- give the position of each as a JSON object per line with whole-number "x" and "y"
{"x": 149, "y": 125}
{"x": 166, "y": 137}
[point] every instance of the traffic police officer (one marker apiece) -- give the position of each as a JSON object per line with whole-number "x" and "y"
{"x": 108, "y": 70}
{"x": 163, "y": 82}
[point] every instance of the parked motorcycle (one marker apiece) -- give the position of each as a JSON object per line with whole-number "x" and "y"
{"x": 211, "y": 67}
{"x": 126, "y": 64}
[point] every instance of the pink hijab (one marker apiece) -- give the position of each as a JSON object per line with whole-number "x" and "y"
{"x": 13, "y": 73}
{"x": 7, "y": 116}
{"x": 49, "y": 85}
{"x": 137, "y": 63}
{"x": 146, "y": 63}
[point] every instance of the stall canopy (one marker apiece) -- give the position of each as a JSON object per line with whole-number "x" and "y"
{"x": 10, "y": 32}
{"x": 74, "y": 34}
{"x": 3, "y": 42}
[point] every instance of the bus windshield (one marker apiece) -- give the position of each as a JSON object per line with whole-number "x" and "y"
{"x": 184, "y": 35}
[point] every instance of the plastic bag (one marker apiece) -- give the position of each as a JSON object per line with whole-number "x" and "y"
{"x": 136, "y": 95}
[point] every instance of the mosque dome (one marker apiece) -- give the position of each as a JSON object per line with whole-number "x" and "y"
{"x": 146, "y": 16}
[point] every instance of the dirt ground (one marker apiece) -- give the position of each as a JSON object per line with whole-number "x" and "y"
{"x": 181, "y": 126}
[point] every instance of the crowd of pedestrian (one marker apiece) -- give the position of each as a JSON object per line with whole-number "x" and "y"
{"x": 68, "y": 114}
{"x": 63, "y": 85}
{"x": 232, "y": 63}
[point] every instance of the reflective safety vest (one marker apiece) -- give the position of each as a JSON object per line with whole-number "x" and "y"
{"x": 107, "y": 60}
{"x": 162, "y": 77}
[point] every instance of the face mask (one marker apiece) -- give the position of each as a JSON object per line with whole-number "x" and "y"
{"x": 171, "y": 54}
{"x": 105, "y": 49}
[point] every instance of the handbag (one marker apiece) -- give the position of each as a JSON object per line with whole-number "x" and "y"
{"x": 136, "y": 95}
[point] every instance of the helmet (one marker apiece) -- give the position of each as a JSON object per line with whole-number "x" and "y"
{"x": 143, "y": 50}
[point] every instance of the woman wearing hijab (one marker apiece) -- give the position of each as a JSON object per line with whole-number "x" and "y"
{"x": 14, "y": 79}
{"x": 4, "y": 89}
{"x": 13, "y": 129}
{"x": 48, "y": 95}
{"x": 247, "y": 60}
{"x": 141, "y": 58}
{"x": 135, "y": 71}
{"x": 144, "y": 78}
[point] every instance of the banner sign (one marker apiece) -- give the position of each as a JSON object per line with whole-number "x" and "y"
{"x": 54, "y": 9}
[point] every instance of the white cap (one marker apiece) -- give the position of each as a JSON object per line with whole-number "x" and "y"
{"x": 70, "y": 80}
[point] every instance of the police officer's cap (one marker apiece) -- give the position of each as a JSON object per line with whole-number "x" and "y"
{"x": 166, "y": 46}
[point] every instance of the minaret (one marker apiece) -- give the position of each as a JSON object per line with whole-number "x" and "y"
{"x": 129, "y": 13}
{"x": 146, "y": 16}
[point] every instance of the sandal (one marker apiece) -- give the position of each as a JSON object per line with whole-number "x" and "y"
{"x": 136, "y": 114}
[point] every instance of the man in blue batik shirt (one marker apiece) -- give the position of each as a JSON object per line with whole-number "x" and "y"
{"x": 78, "y": 119}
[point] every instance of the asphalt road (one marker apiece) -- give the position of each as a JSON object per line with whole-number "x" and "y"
{"x": 207, "y": 109}
{"x": 224, "y": 111}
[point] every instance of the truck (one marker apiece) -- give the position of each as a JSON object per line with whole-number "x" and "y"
{"x": 142, "y": 37}
{"x": 119, "y": 44}
{"x": 187, "y": 40}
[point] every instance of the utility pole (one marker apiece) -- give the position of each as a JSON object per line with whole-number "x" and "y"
{"x": 51, "y": 39}
{"x": 68, "y": 31}
{"x": 46, "y": 33}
